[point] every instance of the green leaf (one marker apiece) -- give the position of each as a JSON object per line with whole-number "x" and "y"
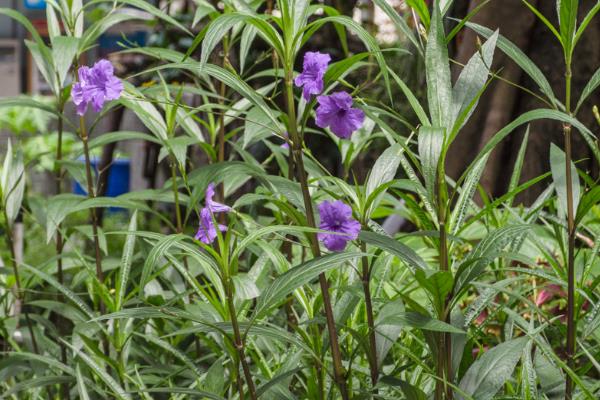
{"x": 529, "y": 116}
{"x": 173, "y": 350}
{"x": 399, "y": 21}
{"x": 486, "y": 251}
{"x": 245, "y": 287}
{"x": 126, "y": 261}
{"x": 298, "y": 276}
{"x": 148, "y": 114}
{"x": 590, "y": 199}
{"x": 466, "y": 195}
{"x": 586, "y": 20}
{"x": 146, "y": 6}
{"x": 64, "y": 51}
{"x": 487, "y": 375}
{"x": 589, "y": 88}
{"x": 68, "y": 293}
{"x": 515, "y": 54}
{"x": 419, "y": 321}
{"x": 516, "y": 175}
{"x": 258, "y": 126}
{"x": 12, "y": 183}
{"x": 422, "y": 9}
{"x": 100, "y": 371}
{"x": 221, "y": 25}
{"x": 52, "y": 22}
{"x": 431, "y": 144}
{"x": 558, "y": 168}
{"x": 437, "y": 70}
{"x": 567, "y": 18}
{"x": 368, "y": 40}
{"x": 472, "y": 79}
{"x": 399, "y": 249}
{"x": 383, "y": 171}
{"x": 412, "y": 99}
{"x": 81, "y": 386}
{"x": 439, "y": 284}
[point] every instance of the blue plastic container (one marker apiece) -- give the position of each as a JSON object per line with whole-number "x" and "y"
{"x": 118, "y": 178}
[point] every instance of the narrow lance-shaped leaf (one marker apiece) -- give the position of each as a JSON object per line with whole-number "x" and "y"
{"x": 487, "y": 375}
{"x": 297, "y": 277}
{"x": 126, "y": 261}
{"x": 12, "y": 183}
{"x": 558, "y": 167}
{"x": 437, "y": 69}
{"x": 472, "y": 79}
{"x": 431, "y": 144}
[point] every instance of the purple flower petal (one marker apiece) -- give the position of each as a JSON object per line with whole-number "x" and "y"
{"x": 213, "y": 206}
{"x": 96, "y": 86}
{"x": 206, "y": 228}
{"x": 336, "y": 217}
{"x": 335, "y": 112}
{"x": 311, "y": 79}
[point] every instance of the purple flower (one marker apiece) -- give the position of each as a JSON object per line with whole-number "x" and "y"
{"x": 96, "y": 85}
{"x": 336, "y": 112}
{"x": 311, "y": 78}
{"x": 213, "y": 206}
{"x": 207, "y": 232}
{"x": 206, "y": 229}
{"x": 337, "y": 217}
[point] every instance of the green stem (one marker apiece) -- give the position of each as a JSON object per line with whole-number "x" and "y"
{"x": 444, "y": 355}
{"x": 366, "y": 282}
{"x": 338, "y": 369}
{"x": 179, "y": 227}
{"x": 59, "y": 240}
{"x": 20, "y": 295}
{"x": 571, "y": 323}
{"x": 238, "y": 342}
{"x": 93, "y": 216}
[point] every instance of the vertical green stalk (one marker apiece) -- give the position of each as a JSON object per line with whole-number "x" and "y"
{"x": 338, "y": 369}
{"x": 221, "y": 139}
{"x": 444, "y": 351}
{"x": 366, "y": 282}
{"x": 238, "y": 342}
{"x": 179, "y": 227}
{"x": 571, "y": 323}
{"x": 20, "y": 296}
{"x": 58, "y": 171}
{"x": 93, "y": 216}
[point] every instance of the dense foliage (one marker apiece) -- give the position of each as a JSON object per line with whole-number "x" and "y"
{"x": 260, "y": 272}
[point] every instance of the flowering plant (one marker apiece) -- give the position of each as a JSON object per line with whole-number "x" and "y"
{"x": 299, "y": 236}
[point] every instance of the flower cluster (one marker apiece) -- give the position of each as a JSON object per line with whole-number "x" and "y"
{"x": 207, "y": 231}
{"x": 335, "y": 111}
{"x": 96, "y": 85}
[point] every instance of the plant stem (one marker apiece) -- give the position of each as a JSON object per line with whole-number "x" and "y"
{"x": 91, "y": 194}
{"x": 238, "y": 342}
{"x": 179, "y": 227}
{"x": 366, "y": 281}
{"x": 571, "y": 323}
{"x": 221, "y": 139}
{"x": 338, "y": 369}
{"x": 444, "y": 355}
{"x": 20, "y": 296}
{"x": 59, "y": 240}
